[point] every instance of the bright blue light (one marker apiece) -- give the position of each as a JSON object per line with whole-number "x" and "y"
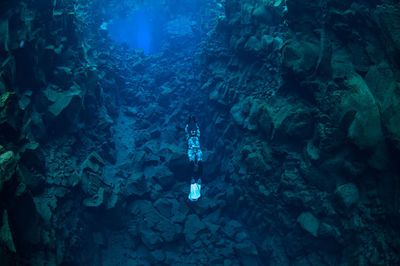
{"x": 136, "y": 31}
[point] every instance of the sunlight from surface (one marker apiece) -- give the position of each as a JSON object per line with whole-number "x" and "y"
{"x": 136, "y": 31}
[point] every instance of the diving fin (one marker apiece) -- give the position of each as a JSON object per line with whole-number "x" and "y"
{"x": 195, "y": 189}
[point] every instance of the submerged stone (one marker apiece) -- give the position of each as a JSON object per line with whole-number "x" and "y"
{"x": 8, "y": 163}
{"x": 348, "y": 194}
{"x": 95, "y": 200}
{"x": 309, "y": 223}
{"x": 192, "y": 227}
{"x": 365, "y": 129}
{"x": 136, "y": 185}
{"x": 6, "y": 237}
{"x": 64, "y": 101}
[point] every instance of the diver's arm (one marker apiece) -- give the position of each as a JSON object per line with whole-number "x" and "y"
{"x": 198, "y": 130}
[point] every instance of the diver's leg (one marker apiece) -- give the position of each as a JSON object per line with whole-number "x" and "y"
{"x": 200, "y": 168}
{"x": 191, "y": 156}
{"x": 192, "y": 169}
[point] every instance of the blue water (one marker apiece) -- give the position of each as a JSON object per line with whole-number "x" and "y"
{"x": 136, "y": 31}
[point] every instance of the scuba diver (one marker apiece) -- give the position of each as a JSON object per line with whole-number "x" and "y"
{"x": 195, "y": 157}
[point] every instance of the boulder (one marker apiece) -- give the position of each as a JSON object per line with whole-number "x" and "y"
{"x": 136, "y": 185}
{"x": 382, "y": 83}
{"x": 298, "y": 124}
{"x": 24, "y": 102}
{"x": 247, "y": 252}
{"x": 320, "y": 177}
{"x": 4, "y": 35}
{"x": 93, "y": 184}
{"x": 269, "y": 43}
{"x": 179, "y": 212}
{"x": 177, "y": 159}
{"x": 65, "y": 104}
{"x": 255, "y": 162}
{"x": 45, "y": 205}
{"x": 341, "y": 65}
{"x": 365, "y": 129}
{"x": 151, "y": 238}
{"x": 312, "y": 151}
{"x": 36, "y": 125}
{"x": 309, "y": 223}
{"x": 32, "y": 156}
{"x": 95, "y": 200}
{"x": 329, "y": 231}
{"x": 169, "y": 231}
{"x": 164, "y": 206}
{"x": 252, "y": 114}
{"x": 62, "y": 75}
{"x": 293, "y": 121}
{"x": 192, "y": 227}
{"x": 261, "y": 14}
{"x": 389, "y": 20}
{"x": 347, "y": 195}
{"x": 6, "y": 238}
{"x": 240, "y": 112}
{"x": 300, "y": 58}
{"x": 8, "y": 164}
{"x": 265, "y": 121}
{"x": 264, "y": 13}
{"x": 161, "y": 174}
{"x": 147, "y": 214}
{"x": 93, "y": 163}
{"x": 33, "y": 181}
{"x": 253, "y": 45}
{"x": 158, "y": 255}
{"x": 231, "y": 228}
{"x": 10, "y": 122}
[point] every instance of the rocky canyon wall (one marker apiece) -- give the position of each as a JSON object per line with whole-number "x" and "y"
{"x": 298, "y": 105}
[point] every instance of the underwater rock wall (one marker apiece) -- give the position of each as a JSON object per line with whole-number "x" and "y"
{"x": 316, "y": 151}
{"x": 298, "y": 108}
{"x": 49, "y": 100}
{"x": 356, "y": 51}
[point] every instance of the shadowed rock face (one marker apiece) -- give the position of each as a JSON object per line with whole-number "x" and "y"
{"x": 298, "y": 107}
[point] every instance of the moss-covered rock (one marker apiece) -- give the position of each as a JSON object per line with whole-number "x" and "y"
{"x": 8, "y": 163}
{"x": 365, "y": 129}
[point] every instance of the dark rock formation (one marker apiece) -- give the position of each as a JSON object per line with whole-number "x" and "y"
{"x": 298, "y": 105}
